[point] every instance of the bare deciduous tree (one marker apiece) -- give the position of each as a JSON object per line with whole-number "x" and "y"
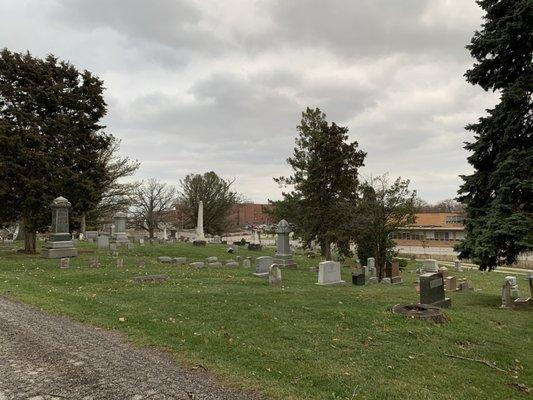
{"x": 150, "y": 201}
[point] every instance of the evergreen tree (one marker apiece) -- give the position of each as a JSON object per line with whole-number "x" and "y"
{"x": 324, "y": 183}
{"x": 217, "y": 197}
{"x": 497, "y": 196}
{"x": 50, "y": 139}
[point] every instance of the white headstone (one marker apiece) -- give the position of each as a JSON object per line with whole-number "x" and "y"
{"x": 371, "y": 262}
{"x": 329, "y": 273}
{"x": 263, "y": 265}
{"x": 274, "y": 275}
{"x": 430, "y": 266}
{"x": 246, "y": 263}
{"x": 103, "y": 242}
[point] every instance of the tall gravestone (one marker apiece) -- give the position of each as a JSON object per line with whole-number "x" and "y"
{"x": 119, "y": 233}
{"x": 59, "y": 243}
{"x": 283, "y": 257}
{"x": 200, "y": 222}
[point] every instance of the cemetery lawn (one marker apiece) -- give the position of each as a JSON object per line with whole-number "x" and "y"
{"x": 300, "y": 341}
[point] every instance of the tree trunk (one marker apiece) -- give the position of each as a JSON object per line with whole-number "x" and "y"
{"x": 151, "y": 233}
{"x": 327, "y": 251}
{"x": 82, "y": 224}
{"x": 29, "y": 242}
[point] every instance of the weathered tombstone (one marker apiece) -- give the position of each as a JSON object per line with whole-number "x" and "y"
{"x": 119, "y": 233}
{"x": 262, "y": 267}
{"x": 150, "y": 278}
{"x": 130, "y": 245}
{"x": 457, "y": 266}
{"x": 211, "y": 259}
{"x": 95, "y": 263}
{"x": 114, "y": 254}
{"x": 198, "y": 264}
{"x": 444, "y": 272}
{"x": 386, "y": 281}
{"x": 506, "y": 293}
{"x": 358, "y": 279}
{"x": 120, "y": 262}
{"x": 214, "y": 264}
{"x": 430, "y": 265}
{"x": 91, "y": 235}
{"x": 200, "y": 236}
{"x": 246, "y": 263}
{"x": 392, "y": 271}
{"x": 371, "y": 262}
{"x": 464, "y": 286}
{"x": 329, "y": 273}
{"x": 179, "y": 260}
{"x": 103, "y": 242}
{"x": 432, "y": 290}
{"x": 141, "y": 241}
{"x": 59, "y": 243}
{"x": 232, "y": 264}
{"x": 450, "y": 283}
{"x": 283, "y": 257}
{"x": 164, "y": 260}
{"x": 274, "y": 275}
{"x": 64, "y": 263}
{"x": 217, "y": 239}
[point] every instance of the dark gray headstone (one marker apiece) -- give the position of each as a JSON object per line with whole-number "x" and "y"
{"x": 432, "y": 290}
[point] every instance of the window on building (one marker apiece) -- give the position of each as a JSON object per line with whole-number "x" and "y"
{"x": 455, "y": 219}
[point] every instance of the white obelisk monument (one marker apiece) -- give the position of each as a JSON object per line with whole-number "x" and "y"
{"x": 200, "y": 223}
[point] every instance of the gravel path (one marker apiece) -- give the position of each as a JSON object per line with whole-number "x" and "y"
{"x": 48, "y": 357}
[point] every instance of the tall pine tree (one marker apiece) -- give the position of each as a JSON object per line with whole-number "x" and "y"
{"x": 50, "y": 139}
{"x": 325, "y": 183}
{"x": 497, "y": 196}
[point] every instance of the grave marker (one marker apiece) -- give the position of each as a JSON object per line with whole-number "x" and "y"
{"x": 329, "y": 273}
{"x": 432, "y": 290}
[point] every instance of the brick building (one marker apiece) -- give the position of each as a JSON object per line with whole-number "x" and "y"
{"x": 432, "y": 229}
{"x": 249, "y": 214}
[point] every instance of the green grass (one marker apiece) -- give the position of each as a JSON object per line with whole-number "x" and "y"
{"x": 300, "y": 341}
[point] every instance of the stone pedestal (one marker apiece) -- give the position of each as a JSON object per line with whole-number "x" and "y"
{"x": 119, "y": 233}
{"x": 283, "y": 257}
{"x": 59, "y": 243}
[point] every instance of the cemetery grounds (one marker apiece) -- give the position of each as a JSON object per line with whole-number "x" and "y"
{"x": 297, "y": 341}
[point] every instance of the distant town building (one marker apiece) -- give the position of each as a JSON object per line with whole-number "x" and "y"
{"x": 432, "y": 229}
{"x": 249, "y": 214}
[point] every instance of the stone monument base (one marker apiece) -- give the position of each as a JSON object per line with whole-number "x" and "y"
{"x": 261, "y": 274}
{"x": 60, "y": 253}
{"x": 285, "y": 261}
{"x": 446, "y": 303}
{"x": 330, "y": 283}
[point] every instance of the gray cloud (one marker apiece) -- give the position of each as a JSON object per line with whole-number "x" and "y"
{"x": 198, "y": 85}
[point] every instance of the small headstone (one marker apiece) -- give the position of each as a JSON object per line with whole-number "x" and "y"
{"x": 464, "y": 286}
{"x": 91, "y": 234}
{"x": 392, "y": 272}
{"x": 130, "y": 245}
{"x": 164, "y": 260}
{"x": 430, "y": 265}
{"x": 114, "y": 254}
{"x": 150, "y": 278}
{"x": 432, "y": 290}
{"x": 103, "y": 242}
{"x": 507, "y": 301}
{"x": 444, "y": 272}
{"x": 64, "y": 263}
{"x": 211, "y": 259}
{"x": 246, "y": 263}
{"x": 329, "y": 273}
{"x": 199, "y": 243}
{"x": 274, "y": 275}
{"x": 113, "y": 247}
{"x": 457, "y": 266}
{"x": 120, "y": 262}
{"x": 232, "y": 264}
{"x": 141, "y": 241}
{"x": 371, "y": 262}
{"x": 217, "y": 239}
{"x": 386, "y": 281}
{"x": 238, "y": 258}
{"x": 198, "y": 264}
{"x": 179, "y": 260}
{"x": 358, "y": 279}
{"x": 450, "y": 283}
{"x": 263, "y": 264}
{"x": 215, "y": 264}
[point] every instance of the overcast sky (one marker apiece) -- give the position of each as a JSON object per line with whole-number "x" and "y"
{"x": 200, "y": 85}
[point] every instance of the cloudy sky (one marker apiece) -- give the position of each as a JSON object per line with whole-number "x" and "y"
{"x": 199, "y": 85}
